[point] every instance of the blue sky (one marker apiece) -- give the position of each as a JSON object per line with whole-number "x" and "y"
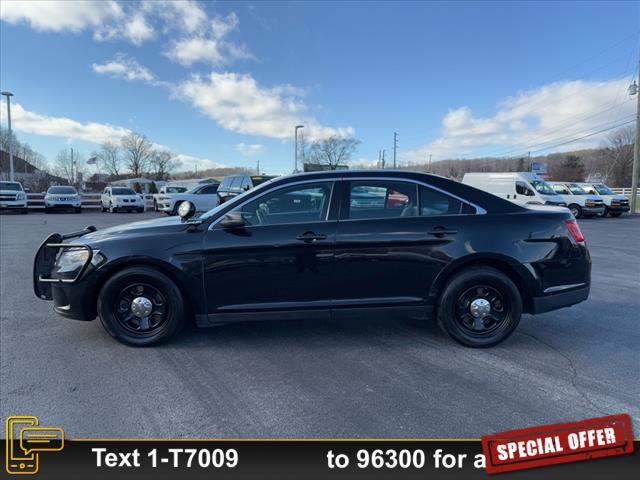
{"x": 225, "y": 83}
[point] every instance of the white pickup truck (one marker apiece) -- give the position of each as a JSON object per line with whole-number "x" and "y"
{"x": 13, "y": 197}
{"x": 164, "y": 193}
{"x": 204, "y": 197}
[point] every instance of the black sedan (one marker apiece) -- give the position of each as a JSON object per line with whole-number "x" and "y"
{"x": 307, "y": 246}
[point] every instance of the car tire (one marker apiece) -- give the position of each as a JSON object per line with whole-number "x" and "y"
{"x": 116, "y": 311}
{"x": 576, "y": 210}
{"x": 176, "y": 206}
{"x": 47, "y": 210}
{"x": 463, "y": 295}
{"x": 615, "y": 214}
{"x": 24, "y": 211}
{"x": 78, "y": 209}
{"x": 112, "y": 209}
{"x": 141, "y": 210}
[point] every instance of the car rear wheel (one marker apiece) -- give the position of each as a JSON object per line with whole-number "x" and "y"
{"x": 480, "y": 307}
{"x": 140, "y": 306}
{"x": 576, "y": 211}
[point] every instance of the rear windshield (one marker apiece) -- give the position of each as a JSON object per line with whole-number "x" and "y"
{"x": 122, "y": 191}
{"x": 10, "y": 186}
{"x": 62, "y": 191}
{"x": 258, "y": 179}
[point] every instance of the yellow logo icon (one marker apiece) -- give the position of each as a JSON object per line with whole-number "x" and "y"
{"x": 25, "y": 441}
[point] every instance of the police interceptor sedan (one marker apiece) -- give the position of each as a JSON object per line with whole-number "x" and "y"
{"x": 309, "y": 246}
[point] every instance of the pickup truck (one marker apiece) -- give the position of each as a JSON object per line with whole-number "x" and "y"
{"x": 165, "y": 192}
{"x": 204, "y": 197}
{"x": 13, "y": 197}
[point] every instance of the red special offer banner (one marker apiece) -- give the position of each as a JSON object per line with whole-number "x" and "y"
{"x": 559, "y": 443}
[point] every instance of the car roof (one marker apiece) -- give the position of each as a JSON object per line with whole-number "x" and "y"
{"x": 488, "y": 201}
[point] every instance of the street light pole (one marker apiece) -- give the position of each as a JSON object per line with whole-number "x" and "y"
{"x": 298, "y": 127}
{"x": 9, "y": 95}
{"x": 633, "y": 90}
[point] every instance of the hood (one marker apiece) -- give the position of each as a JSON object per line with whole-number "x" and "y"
{"x": 142, "y": 228}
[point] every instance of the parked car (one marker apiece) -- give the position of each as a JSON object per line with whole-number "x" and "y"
{"x": 234, "y": 185}
{"x": 204, "y": 197}
{"x": 62, "y": 198}
{"x": 13, "y": 197}
{"x": 297, "y": 247}
{"x": 522, "y": 188}
{"x": 165, "y": 192}
{"x": 581, "y": 203}
{"x": 614, "y": 204}
{"x": 116, "y": 199}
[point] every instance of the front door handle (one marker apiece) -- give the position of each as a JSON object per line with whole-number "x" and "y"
{"x": 309, "y": 237}
{"x": 440, "y": 231}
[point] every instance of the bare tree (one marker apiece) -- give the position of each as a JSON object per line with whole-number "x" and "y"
{"x": 162, "y": 163}
{"x": 137, "y": 152}
{"x": 110, "y": 158}
{"x": 67, "y": 165}
{"x": 619, "y": 156}
{"x": 332, "y": 152}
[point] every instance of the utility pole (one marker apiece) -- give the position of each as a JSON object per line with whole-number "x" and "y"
{"x": 633, "y": 90}
{"x": 383, "y": 154}
{"x": 395, "y": 147}
{"x": 429, "y": 163}
{"x": 73, "y": 164}
{"x": 297, "y": 127}
{"x": 258, "y": 168}
{"x": 9, "y": 95}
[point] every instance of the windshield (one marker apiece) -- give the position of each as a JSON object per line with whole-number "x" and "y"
{"x": 62, "y": 191}
{"x": 233, "y": 201}
{"x": 122, "y": 191}
{"x": 543, "y": 187}
{"x": 175, "y": 189}
{"x": 10, "y": 186}
{"x": 577, "y": 189}
{"x": 602, "y": 189}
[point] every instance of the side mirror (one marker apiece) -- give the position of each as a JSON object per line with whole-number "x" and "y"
{"x": 246, "y": 187}
{"x": 186, "y": 210}
{"x": 232, "y": 220}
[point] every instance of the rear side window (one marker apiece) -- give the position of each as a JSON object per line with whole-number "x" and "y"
{"x": 208, "y": 190}
{"x": 235, "y": 183}
{"x": 382, "y": 199}
{"x": 434, "y": 203}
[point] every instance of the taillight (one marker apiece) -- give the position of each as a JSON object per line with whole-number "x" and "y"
{"x": 574, "y": 230}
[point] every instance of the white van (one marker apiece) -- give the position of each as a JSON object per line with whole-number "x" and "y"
{"x": 523, "y": 188}
{"x": 614, "y": 204}
{"x": 581, "y": 203}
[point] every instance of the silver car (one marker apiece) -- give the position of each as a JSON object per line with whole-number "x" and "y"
{"x": 62, "y": 198}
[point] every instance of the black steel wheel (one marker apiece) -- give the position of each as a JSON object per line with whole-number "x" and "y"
{"x": 141, "y": 306}
{"x": 479, "y": 307}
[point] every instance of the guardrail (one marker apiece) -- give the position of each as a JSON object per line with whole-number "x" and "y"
{"x": 35, "y": 201}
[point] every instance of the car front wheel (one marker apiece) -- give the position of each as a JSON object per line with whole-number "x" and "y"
{"x": 480, "y": 307}
{"x": 112, "y": 209}
{"x": 576, "y": 211}
{"x": 140, "y": 306}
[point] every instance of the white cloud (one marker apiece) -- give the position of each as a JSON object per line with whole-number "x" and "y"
{"x": 187, "y": 14}
{"x": 58, "y": 16}
{"x": 124, "y": 67}
{"x": 533, "y": 120}
{"x": 30, "y": 122}
{"x": 26, "y": 121}
{"x": 248, "y": 149}
{"x": 237, "y": 103}
{"x": 209, "y": 45}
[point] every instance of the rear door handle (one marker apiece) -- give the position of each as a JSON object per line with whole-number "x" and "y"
{"x": 441, "y": 232}
{"x": 309, "y": 237}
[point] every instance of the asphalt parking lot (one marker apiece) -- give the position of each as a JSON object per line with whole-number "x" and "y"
{"x": 383, "y": 377}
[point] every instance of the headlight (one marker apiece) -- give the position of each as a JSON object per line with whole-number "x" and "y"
{"x": 72, "y": 259}
{"x": 20, "y": 196}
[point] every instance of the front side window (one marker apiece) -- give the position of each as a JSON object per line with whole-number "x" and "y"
{"x": 543, "y": 187}
{"x": 523, "y": 189}
{"x": 382, "y": 199}
{"x": 296, "y": 204}
{"x": 208, "y": 190}
{"x": 602, "y": 189}
{"x": 577, "y": 189}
